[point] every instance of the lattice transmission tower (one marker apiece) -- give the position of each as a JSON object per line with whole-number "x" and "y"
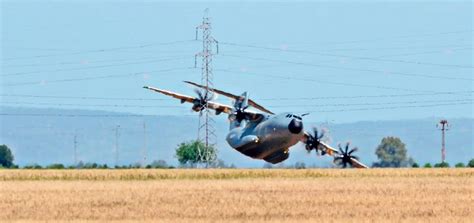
{"x": 206, "y": 129}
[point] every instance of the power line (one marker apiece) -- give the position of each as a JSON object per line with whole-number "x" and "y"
{"x": 92, "y": 78}
{"x": 352, "y": 68}
{"x": 260, "y": 99}
{"x": 462, "y": 47}
{"x": 82, "y": 62}
{"x": 345, "y": 56}
{"x": 100, "y": 50}
{"x": 84, "y": 97}
{"x": 75, "y": 115}
{"x": 328, "y": 82}
{"x": 425, "y": 52}
{"x": 389, "y": 107}
{"x": 314, "y": 111}
{"x": 93, "y": 105}
{"x": 273, "y": 106}
{"x": 92, "y": 67}
{"x": 37, "y": 48}
{"x": 83, "y": 115}
{"x": 401, "y": 37}
{"x": 372, "y": 96}
{"x": 387, "y": 38}
{"x": 371, "y": 104}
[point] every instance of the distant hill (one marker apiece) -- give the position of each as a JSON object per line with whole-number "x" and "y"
{"x": 47, "y": 139}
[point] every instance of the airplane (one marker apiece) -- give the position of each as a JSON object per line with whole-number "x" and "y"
{"x": 262, "y": 134}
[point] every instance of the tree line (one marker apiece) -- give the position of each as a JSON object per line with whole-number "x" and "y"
{"x": 391, "y": 153}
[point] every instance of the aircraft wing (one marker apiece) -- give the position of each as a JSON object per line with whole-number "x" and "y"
{"x": 236, "y": 97}
{"x": 358, "y": 164}
{"x": 333, "y": 152}
{"x": 184, "y": 98}
{"x": 181, "y": 97}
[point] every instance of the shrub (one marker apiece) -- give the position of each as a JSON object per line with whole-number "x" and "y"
{"x": 415, "y": 165}
{"x": 471, "y": 163}
{"x": 33, "y": 166}
{"x": 55, "y": 166}
{"x": 427, "y": 165}
{"x": 442, "y": 165}
{"x": 6, "y": 157}
{"x": 300, "y": 165}
{"x": 459, "y": 165}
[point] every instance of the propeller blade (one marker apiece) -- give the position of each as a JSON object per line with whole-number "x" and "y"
{"x": 313, "y": 141}
{"x": 199, "y": 93}
{"x": 353, "y": 150}
{"x": 340, "y": 149}
{"x": 345, "y": 157}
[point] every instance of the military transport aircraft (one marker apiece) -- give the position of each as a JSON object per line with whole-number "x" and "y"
{"x": 262, "y": 134}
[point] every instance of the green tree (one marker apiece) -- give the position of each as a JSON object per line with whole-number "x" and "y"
{"x": 267, "y": 166}
{"x": 6, "y": 156}
{"x": 427, "y": 165}
{"x": 55, "y": 166}
{"x": 471, "y": 163}
{"x": 415, "y": 165}
{"x": 33, "y": 166}
{"x": 195, "y": 152}
{"x": 90, "y": 166}
{"x": 219, "y": 164}
{"x": 392, "y": 153}
{"x": 159, "y": 164}
{"x": 441, "y": 165}
{"x": 300, "y": 165}
{"x": 459, "y": 165}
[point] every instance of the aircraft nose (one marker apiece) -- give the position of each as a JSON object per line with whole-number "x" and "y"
{"x": 295, "y": 126}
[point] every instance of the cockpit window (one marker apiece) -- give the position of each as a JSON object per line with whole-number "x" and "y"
{"x": 293, "y": 116}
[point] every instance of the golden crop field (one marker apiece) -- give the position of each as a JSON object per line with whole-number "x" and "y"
{"x": 316, "y": 195}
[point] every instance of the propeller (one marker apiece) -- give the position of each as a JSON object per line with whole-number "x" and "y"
{"x": 240, "y": 105}
{"x": 314, "y": 140}
{"x": 203, "y": 97}
{"x": 343, "y": 158}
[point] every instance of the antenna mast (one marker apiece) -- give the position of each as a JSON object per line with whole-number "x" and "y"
{"x": 206, "y": 130}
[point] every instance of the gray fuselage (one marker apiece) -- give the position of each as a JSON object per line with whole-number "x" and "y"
{"x": 268, "y": 138}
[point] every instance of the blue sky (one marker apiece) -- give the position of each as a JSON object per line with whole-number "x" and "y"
{"x": 409, "y": 57}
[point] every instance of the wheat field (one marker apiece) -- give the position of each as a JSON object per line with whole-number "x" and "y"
{"x": 329, "y": 195}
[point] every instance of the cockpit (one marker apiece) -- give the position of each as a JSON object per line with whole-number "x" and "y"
{"x": 294, "y": 116}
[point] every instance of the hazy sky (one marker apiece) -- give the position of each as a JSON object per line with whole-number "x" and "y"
{"x": 412, "y": 58}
